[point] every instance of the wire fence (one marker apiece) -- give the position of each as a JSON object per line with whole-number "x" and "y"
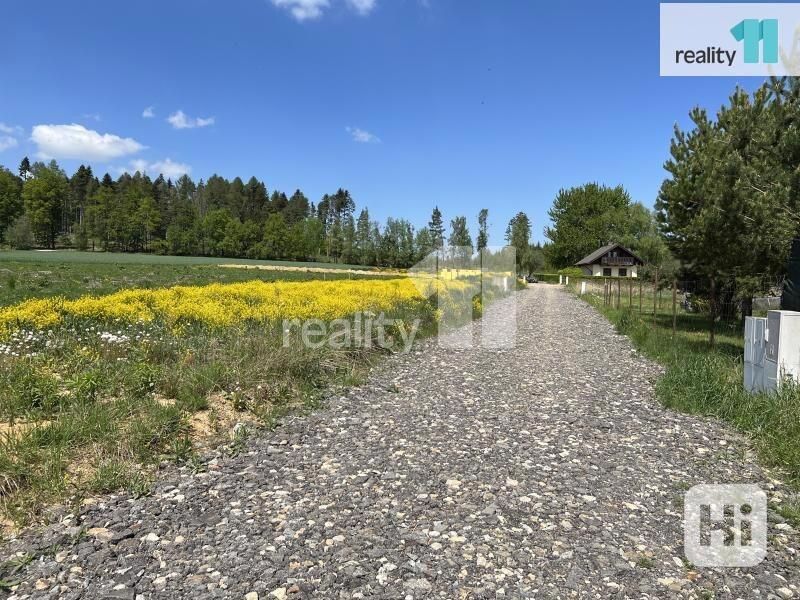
{"x": 725, "y": 302}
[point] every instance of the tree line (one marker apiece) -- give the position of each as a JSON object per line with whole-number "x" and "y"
{"x": 40, "y": 206}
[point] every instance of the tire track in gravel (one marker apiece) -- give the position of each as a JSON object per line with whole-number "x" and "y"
{"x": 544, "y": 471}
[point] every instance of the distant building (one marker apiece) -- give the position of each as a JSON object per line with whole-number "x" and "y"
{"x": 612, "y": 260}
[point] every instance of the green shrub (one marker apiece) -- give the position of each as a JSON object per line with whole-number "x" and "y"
{"x": 546, "y": 277}
{"x": 19, "y": 235}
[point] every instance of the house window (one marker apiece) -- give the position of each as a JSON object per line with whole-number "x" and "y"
{"x": 623, "y": 272}
{"x": 606, "y": 271}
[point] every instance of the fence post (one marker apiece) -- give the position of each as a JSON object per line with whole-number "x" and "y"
{"x": 640, "y": 296}
{"x": 713, "y": 310}
{"x": 655, "y": 298}
{"x": 674, "y": 306}
{"x": 619, "y": 291}
{"x": 630, "y": 293}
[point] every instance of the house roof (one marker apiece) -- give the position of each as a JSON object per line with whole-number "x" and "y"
{"x": 592, "y": 258}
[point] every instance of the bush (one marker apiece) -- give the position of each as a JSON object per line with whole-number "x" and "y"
{"x": 64, "y": 241}
{"x": 159, "y": 246}
{"x": 19, "y": 235}
{"x": 571, "y": 272}
{"x": 81, "y": 240}
{"x": 547, "y": 277}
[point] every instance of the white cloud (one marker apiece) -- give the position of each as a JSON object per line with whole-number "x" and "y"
{"x": 166, "y": 167}
{"x": 138, "y": 164}
{"x": 149, "y": 112}
{"x": 13, "y": 130}
{"x": 93, "y": 116}
{"x": 303, "y": 9}
{"x": 362, "y": 7}
{"x": 180, "y": 120}
{"x": 6, "y": 142}
{"x": 75, "y": 141}
{"x": 362, "y": 136}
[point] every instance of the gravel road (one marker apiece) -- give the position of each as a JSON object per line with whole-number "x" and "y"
{"x": 546, "y": 471}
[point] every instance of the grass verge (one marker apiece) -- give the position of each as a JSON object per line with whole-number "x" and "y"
{"x": 88, "y": 415}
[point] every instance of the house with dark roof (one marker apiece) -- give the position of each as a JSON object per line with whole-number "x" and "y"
{"x": 611, "y": 260}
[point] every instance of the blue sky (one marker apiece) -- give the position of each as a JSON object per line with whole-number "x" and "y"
{"x": 407, "y": 103}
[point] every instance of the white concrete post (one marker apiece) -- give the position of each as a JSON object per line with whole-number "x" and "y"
{"x": 567, "y": 280}
{"x": 560, "y": 279}
{"x": 583, "y": 288}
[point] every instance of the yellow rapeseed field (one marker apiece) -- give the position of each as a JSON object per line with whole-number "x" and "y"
{"x": 221, "y": 305}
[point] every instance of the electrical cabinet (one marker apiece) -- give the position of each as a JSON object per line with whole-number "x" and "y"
{"x": 771, "y": 350}
{"x": 783, "y": 347}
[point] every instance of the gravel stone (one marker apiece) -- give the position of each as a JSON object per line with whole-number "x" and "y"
{"x": 548, "y": 470}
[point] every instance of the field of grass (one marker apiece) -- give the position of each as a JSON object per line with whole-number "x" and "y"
{"x": 28, "y": 278}
{"x": 75, "y": 256}
{"x": 107, "y": 369}
{"x": 705, "y": 380}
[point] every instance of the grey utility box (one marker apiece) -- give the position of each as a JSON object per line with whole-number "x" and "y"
{"x": 771, "y": 350}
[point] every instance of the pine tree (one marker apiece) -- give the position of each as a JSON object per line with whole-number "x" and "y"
{"x": 25, "y": 169}
{"x": 81, "y": 187}
{"x": 297, "y": 209}
{"x": 436, "y": 228}
{"x": 256, "y": 204}
{"x": 518, "y": 235}
{"x": 460, "y": 238}
{"x": 364, "y": 242}
{"x": 483, "y": 230}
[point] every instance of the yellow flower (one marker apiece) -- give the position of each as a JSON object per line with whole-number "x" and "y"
{"x": 223, "y": 305}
